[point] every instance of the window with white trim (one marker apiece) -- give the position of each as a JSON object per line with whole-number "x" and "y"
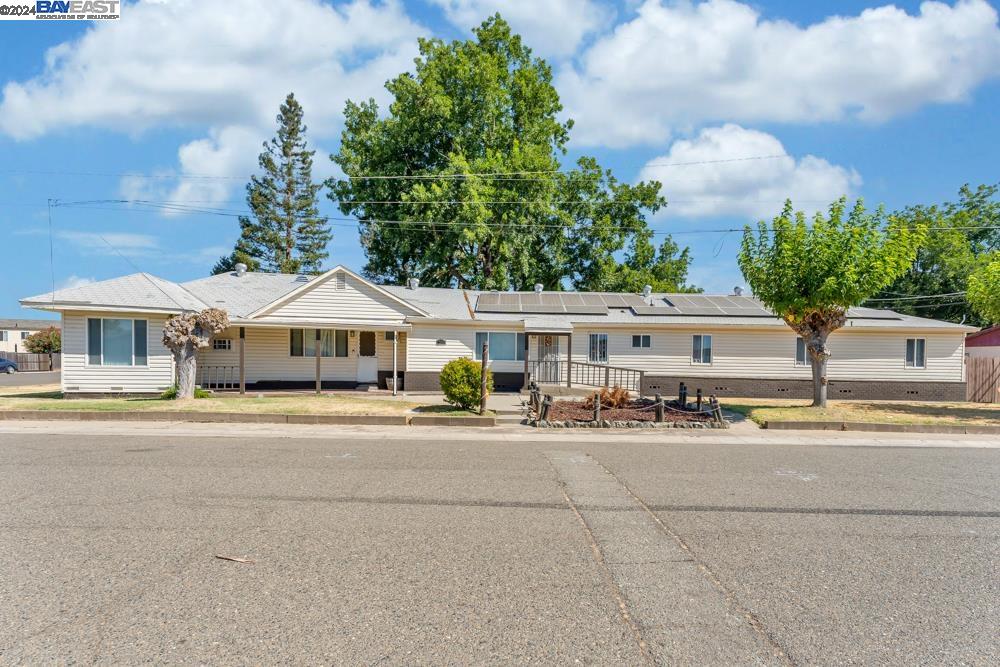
{"x": 115, "y": 341}
{"x": 597, "y": 352}
{"x": 332, "y": 342}
{"x": 3, "y": 335}
{"x": 641, "y": 341}
{"x": 701, "y": 349}
{"x": 222, "y": 344}
{"x": 801, "y": 355}
{"x": 915, "y": 353}
{"x": 25, "y": 335}
{"x": 504, "y": 345}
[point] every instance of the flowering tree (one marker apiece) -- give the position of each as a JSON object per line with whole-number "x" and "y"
{"x": 184, "y": 334}
{"x": 46, "y": 341}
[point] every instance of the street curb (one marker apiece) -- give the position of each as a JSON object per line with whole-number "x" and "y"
{"x": 246, "y": 418}
{"x": 943, "y": 429}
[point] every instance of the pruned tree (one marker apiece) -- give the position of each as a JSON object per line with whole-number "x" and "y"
{"x": 984, "y": 290}
{"x": 810, "y": 275}
{"x": 184, "y": 335}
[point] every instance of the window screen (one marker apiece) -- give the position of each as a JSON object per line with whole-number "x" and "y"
{"x": 701, "y": 349}
{"x": 598, "y": 350}
{"x": 915, "y": 353}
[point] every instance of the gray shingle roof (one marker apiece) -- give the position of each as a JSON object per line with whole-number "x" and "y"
{"x": 138, "y": 290}
{"x": 27, "y": 325}
{"x": 242, "y": 295}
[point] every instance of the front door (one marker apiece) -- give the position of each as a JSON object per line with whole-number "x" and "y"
{"x": 367, "y": 358}
{"x": 548, "y": 356}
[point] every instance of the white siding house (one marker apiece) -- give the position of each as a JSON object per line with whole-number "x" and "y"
{"x": 368, "y": 334}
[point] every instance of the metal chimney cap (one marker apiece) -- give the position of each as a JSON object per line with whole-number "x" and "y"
{"x": 241, "y": 269}
{"x": 538, "y": 287}
{"x": 413, "y": 283}
{"x": 647, "y": 290}
{"x": 738, "y": 291}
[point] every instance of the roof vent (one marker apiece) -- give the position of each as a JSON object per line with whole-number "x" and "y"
{"x": 737, "y": 291}
{"x": 647, "y": 290}
{"x": 241, "y": 269}
{"x": 538, "y": 288}
{"x": 301, "y": 279}
{"x": 413, "y": 283}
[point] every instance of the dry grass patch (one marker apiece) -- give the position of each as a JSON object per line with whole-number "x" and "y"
{"x": 326, "y": 404}
{"x": 879, "y": 412}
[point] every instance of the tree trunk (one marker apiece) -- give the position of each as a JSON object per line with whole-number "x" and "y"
{"x": 819, "y": 355}
{"x": 187, "y": 368}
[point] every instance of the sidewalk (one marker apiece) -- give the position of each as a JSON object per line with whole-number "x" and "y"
{"x": 518, "y": 434}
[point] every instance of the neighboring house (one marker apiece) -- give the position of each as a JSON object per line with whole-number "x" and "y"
{"x": 727, "y": 345}
{"x": 985, "y": 343}
{"x": 14, "y": 332}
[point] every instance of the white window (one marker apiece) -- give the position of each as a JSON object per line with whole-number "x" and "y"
{"x": 25, "y": 334}
{"x": 915, "y": 353}
{"x": 598, "y": 350}
{"x": 116, "y": 342}
{"x": 701, "y": 349}
{"x": 641, "y": 341}
{"x": 222, "y": 344}
{"x": 801, "y": 356}
{"x": 332, "y": 343}
{"x": 504, "y": 345}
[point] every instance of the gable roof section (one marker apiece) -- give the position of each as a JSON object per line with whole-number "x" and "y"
{"x": 242, "y": 295}
{"x": 312, "y": 284}
{"x": 138, "y": 291}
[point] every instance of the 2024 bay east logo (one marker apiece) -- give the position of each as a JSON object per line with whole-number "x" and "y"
{"x": 73, "y": 10}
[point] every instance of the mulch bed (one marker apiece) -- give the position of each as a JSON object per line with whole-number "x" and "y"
{"x": 575, "y": 411}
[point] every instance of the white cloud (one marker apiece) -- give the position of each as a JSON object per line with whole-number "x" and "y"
{"x": 687, "y": 63}
{"x": 552, "y": 28}
{"x": 728, "y": 185}
{"x": 199, "y": 63}
{"x": 74, "y": 281}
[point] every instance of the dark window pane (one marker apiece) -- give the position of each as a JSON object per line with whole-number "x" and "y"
{"x": 910, "y": 351}
{"x": 341, "y": 343}
{"x": 366, "y": 347}
{"x": 296, "y": 347}
{"x": 139, "y": 342}
{"x": 94, "y": 341}
{"x": 481, "y": 338}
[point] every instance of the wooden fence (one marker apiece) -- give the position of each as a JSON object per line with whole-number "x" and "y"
{"x": 982, "y": 375}
{"x": 33, "y": 362}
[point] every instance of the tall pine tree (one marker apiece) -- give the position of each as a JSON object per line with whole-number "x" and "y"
{"x": 285, "y": 233}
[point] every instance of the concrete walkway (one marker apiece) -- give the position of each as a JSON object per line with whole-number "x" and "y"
{"x": 512, "y": 434}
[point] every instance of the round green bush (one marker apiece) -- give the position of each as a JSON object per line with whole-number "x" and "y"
{"x": 460, "y": 382}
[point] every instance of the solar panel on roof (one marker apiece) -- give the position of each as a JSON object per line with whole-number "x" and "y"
{"x": 592, "y": 299}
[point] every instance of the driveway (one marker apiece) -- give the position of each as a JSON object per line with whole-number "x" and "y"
{"x": 484, "y": 551}
{"x": 28, "y": 379}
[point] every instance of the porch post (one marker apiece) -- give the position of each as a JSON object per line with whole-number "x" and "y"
{"x": 527, "y": 349}
{"x": 243, "y": 359}
{"x": 395, "y": 353}
{"x": 569, "y": 360}
{"x": 319, "y": 383}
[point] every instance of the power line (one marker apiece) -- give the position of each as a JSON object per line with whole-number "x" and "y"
{"x": 918, "y": 297}
{"x": 509, "y": 175}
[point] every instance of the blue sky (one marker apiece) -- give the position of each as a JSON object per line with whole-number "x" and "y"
{"x": 895, "y": 103}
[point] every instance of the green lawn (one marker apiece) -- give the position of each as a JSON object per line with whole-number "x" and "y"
{"x": 326, "y": 404}
{"x": 882, "y": 412}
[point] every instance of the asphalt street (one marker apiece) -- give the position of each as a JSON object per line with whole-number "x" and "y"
{"x": 404, "y": 552}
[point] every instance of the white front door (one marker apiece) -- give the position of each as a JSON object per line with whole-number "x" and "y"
{"x": 367, "y": 358}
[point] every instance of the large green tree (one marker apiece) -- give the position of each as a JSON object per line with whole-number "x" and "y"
{"x": 959, "y": 240}
{"x": 461, "y": 182}
{"x": 984, "y": 289}
{"x": 809, "y": 275}
{"x": 285, "y": 233}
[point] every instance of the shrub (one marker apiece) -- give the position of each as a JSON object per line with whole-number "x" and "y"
{"x": 460, "y": 382}
{"x": 171, "y": 394}
{"x": 616, "y": 397}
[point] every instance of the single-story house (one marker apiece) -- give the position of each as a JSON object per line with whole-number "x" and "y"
{"x": 340, "y": 330}
{"x": 14, "y": 332}
{"x": 984, "y": 343}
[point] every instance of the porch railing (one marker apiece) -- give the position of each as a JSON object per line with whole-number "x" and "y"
{"x": 585, "y": 374}
{"x": 218, "y": 377}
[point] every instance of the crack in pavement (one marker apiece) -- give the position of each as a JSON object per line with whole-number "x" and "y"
{"x": 844, "y": 511}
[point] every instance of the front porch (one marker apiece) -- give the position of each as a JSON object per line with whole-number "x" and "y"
{"x": 551, "y": 367}
{"x": 310, "y": 356}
